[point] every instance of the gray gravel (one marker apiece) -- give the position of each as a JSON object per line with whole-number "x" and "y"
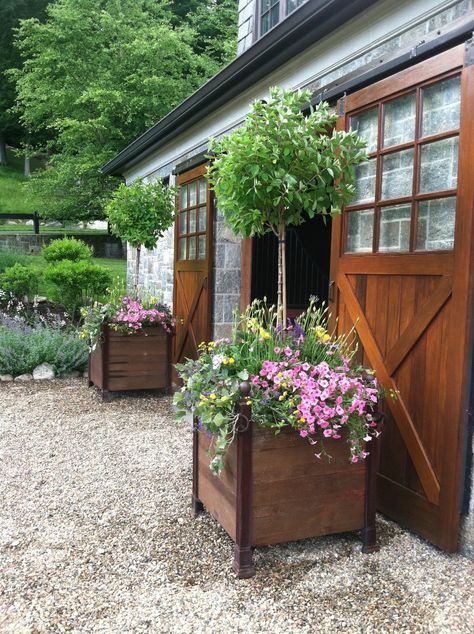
{"x": 96, "y": 536}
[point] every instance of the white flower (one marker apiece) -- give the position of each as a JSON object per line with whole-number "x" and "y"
{"x": 217, "y": 360}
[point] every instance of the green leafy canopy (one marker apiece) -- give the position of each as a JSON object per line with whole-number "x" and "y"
{"x": 282, "y": 167}
{"x": 140, "y": 213}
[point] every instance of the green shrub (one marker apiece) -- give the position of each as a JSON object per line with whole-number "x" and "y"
{"x": 22, "y": 349}
{"x": 21, "y": 281}
{"x": 9, "y": 258}
{"x": 77, "y": 283}
{"x": 67, "y": 249}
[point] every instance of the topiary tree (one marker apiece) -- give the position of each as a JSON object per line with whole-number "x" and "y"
{"x": 140, "y": 214}
{"x": 281, "y": 168}
{"x": 66, "y": 249}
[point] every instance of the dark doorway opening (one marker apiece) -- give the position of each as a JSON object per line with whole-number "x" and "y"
{"x": 308, "y": 252}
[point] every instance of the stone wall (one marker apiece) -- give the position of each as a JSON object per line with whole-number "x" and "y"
{"x": 156, "y": 269}
{"x": 104, "y": 246}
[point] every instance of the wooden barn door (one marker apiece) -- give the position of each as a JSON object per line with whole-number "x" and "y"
{"x": 193, "y": 264}
{"x": 402, "y": 260}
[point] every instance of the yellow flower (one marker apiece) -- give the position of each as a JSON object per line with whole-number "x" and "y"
{"x": 322, "y": 333}
{"x": 264, "y": 334}
{"x": 248, "y": 402}
{"x": 225, "y": 361}
{"x": 281, "y": 398}
{"x": 302, "y": 419}
{"x": 284, "y": 384}
{"x": 231, "y": 360}
{"x": 224, "y": 398}
{"x": 203, "y": 398}
{"x": 212, "y": 397}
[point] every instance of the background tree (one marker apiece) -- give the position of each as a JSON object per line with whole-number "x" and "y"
{"x": 96, "y": 76}
{"x": 11, "y": 12}
{"x": 281, "y": 168}
{"x": 140, "y": 214}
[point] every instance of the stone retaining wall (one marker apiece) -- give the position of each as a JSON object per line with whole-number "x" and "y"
{"x": 104, "y": 246}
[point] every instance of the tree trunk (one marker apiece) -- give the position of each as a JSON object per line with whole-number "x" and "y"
{"x": 27, "y": 170}
{"x": 281, "y": 298}
{"x": 137, "y": 269}
{"x": 3, "y": 150}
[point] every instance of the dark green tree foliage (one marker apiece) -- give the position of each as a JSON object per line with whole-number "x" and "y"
{"x": 96, "y": 75}
{"x": 11, "y": 12}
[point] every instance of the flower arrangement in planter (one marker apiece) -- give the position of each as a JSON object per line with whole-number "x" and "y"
{"x": 129, "y": 343}
{"x": 314, "y": 419}
{"x": 130, "y": 339}
{"x": 280, "y": 168}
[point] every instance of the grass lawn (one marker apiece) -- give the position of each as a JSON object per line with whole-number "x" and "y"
{"x": 51, "y": 230}
{"x": 13, "y": 198}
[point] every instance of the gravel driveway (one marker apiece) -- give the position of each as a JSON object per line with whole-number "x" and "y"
{"x": 96, "y": 536}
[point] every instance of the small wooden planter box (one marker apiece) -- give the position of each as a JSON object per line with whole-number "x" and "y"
{"x": 273, "y": 489}
{"x": 141, "y": 361}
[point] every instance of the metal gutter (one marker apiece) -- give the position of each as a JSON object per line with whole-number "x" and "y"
{"x": 311, "y": 21}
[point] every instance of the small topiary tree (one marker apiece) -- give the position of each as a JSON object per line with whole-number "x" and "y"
{"x": 66, "y": 249}
{"x": 140, "y": 214}
{"x": 281, "y": 168}
{"x": 20, "y": 281}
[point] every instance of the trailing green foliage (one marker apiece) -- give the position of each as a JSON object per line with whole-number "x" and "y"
{"x": 22, "y": 349}
{"x": 77, "y": 284}
{"x": 67, "y": 249}
{"x": 20, "y": 281}
{"x": 282, "y": 168}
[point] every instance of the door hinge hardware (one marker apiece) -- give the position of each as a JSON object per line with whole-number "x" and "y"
{"x": 331, "y": 286}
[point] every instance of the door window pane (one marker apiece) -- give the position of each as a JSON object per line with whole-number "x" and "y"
{"x": 183, "y": 196}
{"x": 439, "y": 165}
{"x": 367, "y": 124}
{"x": 397, "y": 174}
{"x": 202, "y": 219}
{"x": 202, "y": 190}
{"x": 441, "y": 106}
{"x": 435, "y": 228}
{"x": 182, "y": 248}
{"x": 192, "y": 221}
{"x": 192, "y": 248}
{"x": 365, "y": 182}
{"x": 395, "y": 228}
{"x": 202, "y": 247}
{"x": 192, "y": 194}
{"x": 360, "y": 231}
{"x": 183, "y": 222}
{"x": 399, "y": 121}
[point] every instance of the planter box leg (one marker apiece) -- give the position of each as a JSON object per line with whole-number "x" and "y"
{"x": 369, "y": 533}
{"x": 107, "y": 396}
{"x": 243, "y": 560}
{"x": 196, "y": 504}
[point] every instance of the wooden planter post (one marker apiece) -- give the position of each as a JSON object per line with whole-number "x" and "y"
{"x": 230, "y": 496}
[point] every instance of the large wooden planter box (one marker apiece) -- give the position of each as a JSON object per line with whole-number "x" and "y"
{"x": 273, "y": 489}
{"x": 141, "y": 361}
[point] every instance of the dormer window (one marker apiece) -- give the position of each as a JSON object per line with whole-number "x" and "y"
{"x": 273, "y": 11}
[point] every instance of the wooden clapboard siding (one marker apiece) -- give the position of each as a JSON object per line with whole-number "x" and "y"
{"x": 413, "y": 312}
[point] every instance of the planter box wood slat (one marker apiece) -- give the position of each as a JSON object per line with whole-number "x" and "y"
{"x": 273, "y": 489}
{"x": 141, "y": 361}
